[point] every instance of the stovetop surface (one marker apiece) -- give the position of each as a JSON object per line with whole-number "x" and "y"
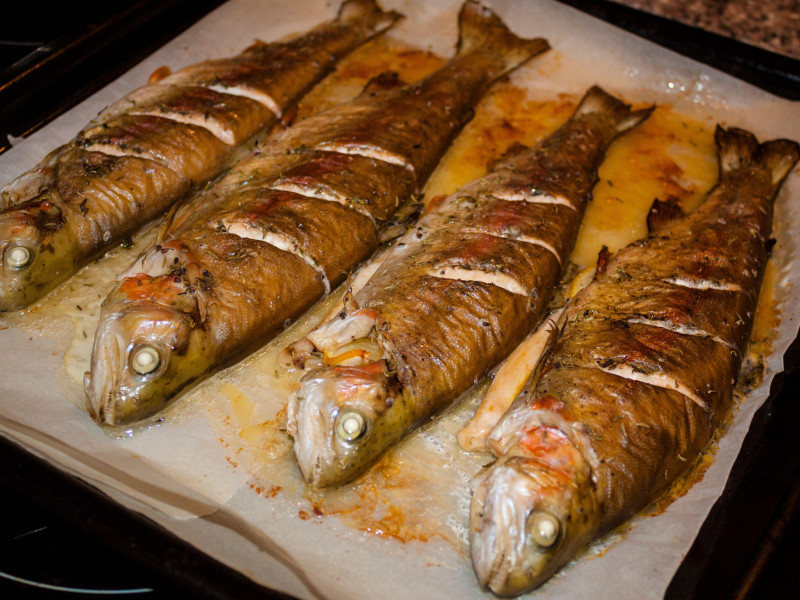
{"x": 41, "y": 557}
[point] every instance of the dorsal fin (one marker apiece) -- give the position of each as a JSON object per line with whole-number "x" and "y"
{"x": 663, "y": 212}
{"x": 602, "y": 261}
{"x": 512, "y": 151}
{"x": 388, "y": 80}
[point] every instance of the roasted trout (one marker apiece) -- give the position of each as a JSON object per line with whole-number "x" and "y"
{"x": 151, "y": 148}
{"x": 456, "y": 295}
{"x": 284, "y": 226}
{"x": 632, "y": 389}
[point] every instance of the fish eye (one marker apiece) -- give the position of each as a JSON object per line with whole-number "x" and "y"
{"x": 145, "y": 359}
{"x": 17, "y": 257}
{"x": 350, "y": 426}
{"x": 544, "y": 528}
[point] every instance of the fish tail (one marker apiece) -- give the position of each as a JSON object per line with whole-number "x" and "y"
{"x": 597, "y": 100}
{"x": 739, "y": 148}
{"x": 736, "y": 147}
{"x": 480, "y": 29}
{"x": 368, "y": 15}
{"x": 778, "y": 157}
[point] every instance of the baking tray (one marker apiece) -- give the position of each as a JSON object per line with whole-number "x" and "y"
{"x": 749, "y": 532}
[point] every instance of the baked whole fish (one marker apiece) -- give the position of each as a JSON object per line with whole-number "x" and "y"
{"x": 151, "y": 148}
{"x": 637, "y": 381}
{"x": 284, "y": 226}
{"x": 457, "y": 294}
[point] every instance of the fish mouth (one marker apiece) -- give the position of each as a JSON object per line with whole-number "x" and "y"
{"x": 310, "y": 423}
{"x": 517, "y": 532}
{"x": 332, "y": 418}
{"x": 102, "y": 381}
{"x": 132, "y": 363}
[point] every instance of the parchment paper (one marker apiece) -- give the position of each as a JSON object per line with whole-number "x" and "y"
{"x": 178, "y": 475}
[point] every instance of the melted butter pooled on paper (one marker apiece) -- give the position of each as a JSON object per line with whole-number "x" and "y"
{"x": 669, "y": 155}
{"x": 768, "y": 315}
{"x": 505, "y": 117}
{"x": 69, "y": 314}
{"x": 381, "y": 55}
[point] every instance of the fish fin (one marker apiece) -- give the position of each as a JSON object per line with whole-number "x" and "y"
{"x": 349, "y": 302}
{"x": 403, "y": 218}
{"x": 634, "y": 118}
{"x": 368, "y": 15}
{"x": 597, "y": 100}
{"x": 663, "y": 212}
{"x": 739, "y": 148}
{"x": 736, "y": 147}
{"x": 166, "y": 223}
{"x": 480, "y": 29}
{"x": 288, "y": 117}
{"x": 388, "y": 80}
{"x": 778, "y": 157}
{"x": 602, "y": 262}
{"x": 513, "y": 150}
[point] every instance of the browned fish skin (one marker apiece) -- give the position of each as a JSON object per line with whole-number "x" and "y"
{"x": 471, "y": 280}
{"x": 285, "y": 225}
{"x": 640, "y": 377}
{"x": 485, "y": 233}
{"x": 158, "y": 143}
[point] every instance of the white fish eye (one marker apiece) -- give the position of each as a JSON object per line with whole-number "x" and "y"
{"x": 350, "y": 426}
{"x": 144, "y": 359}
{"x": 544, "y": 528}
{"x": 17, "y": 258}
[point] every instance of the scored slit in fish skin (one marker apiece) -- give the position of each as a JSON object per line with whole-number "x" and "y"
{"x": 639, "y": 378}
{"x": 154, "y": 146}
{"x": 284, "y": 226}
{"x": 456, "y": 295}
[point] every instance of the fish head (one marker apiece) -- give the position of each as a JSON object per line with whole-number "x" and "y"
{"x": 343, "y": 419}
{"x": 35, "y": 250}
{"x": 527, "y": 519}
{"x": 142, "y": 355}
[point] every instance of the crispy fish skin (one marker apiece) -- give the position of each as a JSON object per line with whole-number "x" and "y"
{"x": 457, "y": 295}
{"x": 637, "y": 382}
{"x": 283, "y": 227}
{"x": 151, "y": 148}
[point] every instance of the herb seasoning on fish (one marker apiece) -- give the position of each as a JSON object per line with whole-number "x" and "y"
{"x": 458, "y": 293}
{"x": 317, "y": 198}
{"x": 153, "y": 147}
{"x": 636, "y": 382}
